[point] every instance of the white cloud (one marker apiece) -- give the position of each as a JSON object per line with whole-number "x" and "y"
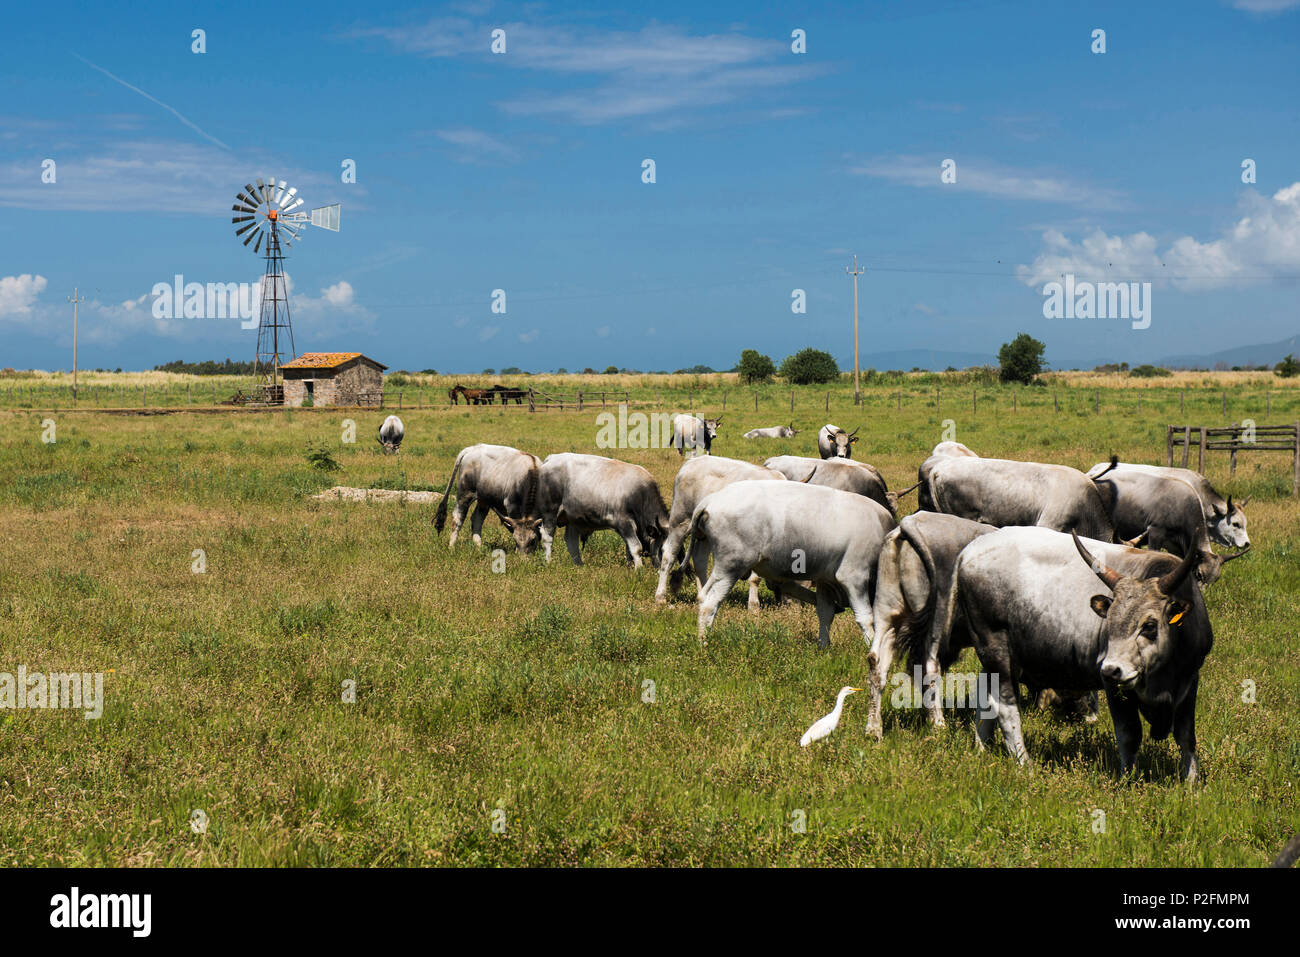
{"x": 1266, "y": 6}
{"x": 476, "y": 146}
{"x": 988, "y": 179}
{"x": 488, "y": 332}
{"x": 1264, "y": 244}
{"x": 339, "y": 294}
{"x": 652, "y": 71}
{"x": 18, "y": 293}
{"x": 529, "y": 336}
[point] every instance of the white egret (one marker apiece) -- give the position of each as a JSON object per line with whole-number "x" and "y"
{"x": 826, "y": 725}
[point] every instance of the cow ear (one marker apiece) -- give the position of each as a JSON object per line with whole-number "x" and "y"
{"x": 1100, "y": 604}
{"x": 1175, "y": 610}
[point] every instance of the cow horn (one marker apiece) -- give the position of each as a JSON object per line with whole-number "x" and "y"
{"x": 1244, "y": 502}
{"x": 1108, "y": 575}
{"x": 1137, "y": 542}
{"x": 1168, "y": 583}
{"x": 1228, "y": 558}
{"x": 854, "y": 432}
{"x": 1229, "y": 504}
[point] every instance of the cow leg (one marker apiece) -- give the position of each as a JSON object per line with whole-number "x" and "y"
{"x": 860, "y": 604}
{"x": 573, "y": 539}
{"x": 1185, "y": 731}
{"x": 547, "y": 532}
{"x": 672, "y": 554}
{"x": 825, "y": 615}
{"x": 1009, "y": 720}
{"x": 632, "y": 543}
{"x": 711, "y": 595}
{"x": 476, "y": 523}
{"x": 699, "y": 562}
{"x": 463, "y": 503}
{"x": 880, "y": 660}
{"x": 1128, "y": 730}
{"x": 753, "y": 593}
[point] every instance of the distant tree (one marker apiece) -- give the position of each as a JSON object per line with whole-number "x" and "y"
{"x": 561, "y": 371}
{"x": 611, "y": 370}
{"x": 512, "y": 370}
{"x": 808, "y": 366}
{"x": 1288, "y": 368}
{"x": 489, "y": 371}
{"x": 589, "y": 371}
{"x": 755, "y": 367}
{"x": 428, "y": 372}
{"x": 695, "y": 370}
{"x": 1021, "y": 359}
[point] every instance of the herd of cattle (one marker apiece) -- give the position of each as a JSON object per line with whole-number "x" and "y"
{"x": 1002, "y": 556}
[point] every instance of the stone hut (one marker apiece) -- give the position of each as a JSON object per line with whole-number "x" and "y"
{"x": 333, "y": 378}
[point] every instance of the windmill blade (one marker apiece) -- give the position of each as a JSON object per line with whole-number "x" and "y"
{"x": 242, "y": 207}
{"x": 243, "y": 229}
{"x": 292, "y": 206}
{"x": 286, "y": 202}
{"x": 258, "y": 245}
{"x": 249, "y": 238}
{"x": 279, "y": 196}
{"x": 241, "y": 219}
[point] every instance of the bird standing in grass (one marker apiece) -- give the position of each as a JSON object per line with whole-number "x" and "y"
{"x": 826, "y": 725}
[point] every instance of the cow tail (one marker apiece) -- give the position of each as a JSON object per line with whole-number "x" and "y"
{"x": 440, "y": 517}
{"x": 914, "y": 631}
{"x": 909, "y": 489}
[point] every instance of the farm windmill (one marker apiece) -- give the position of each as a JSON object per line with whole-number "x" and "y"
{"x": 271, "y": 213}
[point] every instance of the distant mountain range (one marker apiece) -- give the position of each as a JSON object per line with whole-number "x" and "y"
{"x": 1266, "y": 353}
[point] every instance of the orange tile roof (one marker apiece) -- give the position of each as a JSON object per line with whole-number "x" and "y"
{"x": 321, "y": 360}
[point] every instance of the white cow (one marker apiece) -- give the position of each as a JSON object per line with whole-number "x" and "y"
{"x": 774, "y": 432}
{"x": 692, "y": 432}
{"x": 391, "y": 434}
{"x": 789, "y": 532}
{"x": 834, "y": 442}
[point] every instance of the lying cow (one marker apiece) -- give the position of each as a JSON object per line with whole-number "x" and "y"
{"x": 843, "y": 474}
{"x": 1224, "y": 521}
{"x": 1002, "y": 492}
{"x": 913, "y": 581}
{"x": 391, "y": 434}
{"x": 834, "y": 442}
{"x": 789, "y": 532}
{"x": 500, "y": 479}
{"x": 693, "y": 432}
{"x": 775, "y": 432}
{"x": 696, "y": 479}
{"x": 585, "y": 493}
{"x": 1164, "y": 511}
{"x": 1032, "y": 607}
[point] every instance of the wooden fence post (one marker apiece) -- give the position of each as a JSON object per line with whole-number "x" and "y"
{"x": 900, "y": 400}
{"x": 1182, "y": 394}
{"x": 579, "y": 400}
{"x": 792, "y": 400}
{"x": 1055, "y": 401}
{"x": 974, "y": 402}
{"x": 531, "y": 406}
{"x": 1169, "y": 444}
{"x": 1013, "y": 401}
{"x": 1187, "y": 443}
{"x": 755, "y": 401}
{"x": 1200, "y": 453}
{"x": 1232, "y": 456}
{"x": 828, "y": 402}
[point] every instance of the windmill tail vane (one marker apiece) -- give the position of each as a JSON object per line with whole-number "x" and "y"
{"x": 271, "y": 215}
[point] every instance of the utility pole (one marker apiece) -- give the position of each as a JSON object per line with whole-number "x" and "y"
{"x": 855, "y": 272}
{"x": 74, "y": 300}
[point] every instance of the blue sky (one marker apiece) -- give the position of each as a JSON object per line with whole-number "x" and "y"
{"x": 522, "y": 171}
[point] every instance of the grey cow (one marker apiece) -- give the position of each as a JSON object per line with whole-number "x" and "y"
{"x": 499, "y": 479}
{"x": 695, "y": 433}
{"x": 910, "y": 610}
{"x": 843, "y": 474}
{"x": 1225, "y": 521}
{"x": 1003, "y": 492}
{"x": 584, "y": 493}
{"x": 834, "y": 443}
{"x": 1031, "y": 599}
{"x": 789, "y": 532}
{"x": 1166, "y": 512}
{"x": 696, "y": 479}
{"x": 774, "y": 432}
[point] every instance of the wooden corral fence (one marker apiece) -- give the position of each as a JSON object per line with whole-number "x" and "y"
{"x": 1233, "y": 439}
{"x": 575, "y": 401}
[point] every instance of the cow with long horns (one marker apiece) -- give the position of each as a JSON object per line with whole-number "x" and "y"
{"x": 499, "y": 479}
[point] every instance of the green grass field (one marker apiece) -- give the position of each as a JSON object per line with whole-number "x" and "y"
{"x": 521, "y": 692}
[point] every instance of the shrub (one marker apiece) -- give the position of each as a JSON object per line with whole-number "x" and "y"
{"x": 809, "y": 366}
{"x": 1148, "y": 371}
{"x": 755, "y": 367}
{"x": 1288, "y": 368}
{"x": 1021, "y": 359}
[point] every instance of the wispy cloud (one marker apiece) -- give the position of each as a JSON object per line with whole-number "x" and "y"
{"x": 988, "y": 179}
{"x": 1266, "y": 6}
{"x": 477, "y": 146}
{"x": 1263, "y": 245}
{"x": 646, "y": 73}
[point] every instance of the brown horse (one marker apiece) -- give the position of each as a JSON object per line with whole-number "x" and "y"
{"x": 474, "y": 396}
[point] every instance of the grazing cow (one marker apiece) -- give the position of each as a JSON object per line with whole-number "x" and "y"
{"x": 584, "y": 493}
{"x": 775, "y": 432}
{"x": 944, "y": 450}
{"x": 843, "y": 474}
{"x": 912, "y": 585}
{"x": 696, "y": 479}
{"x": 1031, "y": 603}
{"x": 391, "y": 434}
{"x": 1225, "y": 521}
{"x": 789, "y": 532}
{"x": 1002, "y": 492}
{"x": 834, "y": 442}
{"x": 1164, "y": 511}
{"x": 692, "y": 432}
{"x": 500, "y": 479}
